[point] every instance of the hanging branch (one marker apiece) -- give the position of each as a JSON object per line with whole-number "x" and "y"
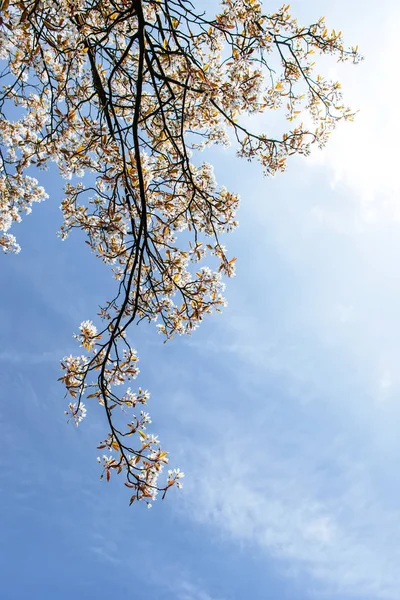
{"x": 120, "y": 94}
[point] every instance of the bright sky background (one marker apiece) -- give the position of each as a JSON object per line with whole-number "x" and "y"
{"x": 284, "y": 412}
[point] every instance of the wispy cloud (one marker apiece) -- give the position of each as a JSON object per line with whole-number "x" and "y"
{"x": 29, "y": 358}
{"x": 322, "y": 517}
{"x": 187, "y": 590}
{"x": 362, "y": 156}
{"x": 293, "y": 452}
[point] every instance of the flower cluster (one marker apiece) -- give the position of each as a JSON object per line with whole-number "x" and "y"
{"x": 142, "y": 461}
{"x": 88, "y": 335}
{"x": 17, "y": 194}
{"x": 77, "y": 413}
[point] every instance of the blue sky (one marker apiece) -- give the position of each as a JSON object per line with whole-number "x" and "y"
{"x": 283, "y": 412}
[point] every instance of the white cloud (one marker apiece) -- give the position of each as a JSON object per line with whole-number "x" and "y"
{"x": 363, "y": 156}
{"x": 343, "y": 538}
{"x": 187, "y": 590}
{"x": 297, "y": 462}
